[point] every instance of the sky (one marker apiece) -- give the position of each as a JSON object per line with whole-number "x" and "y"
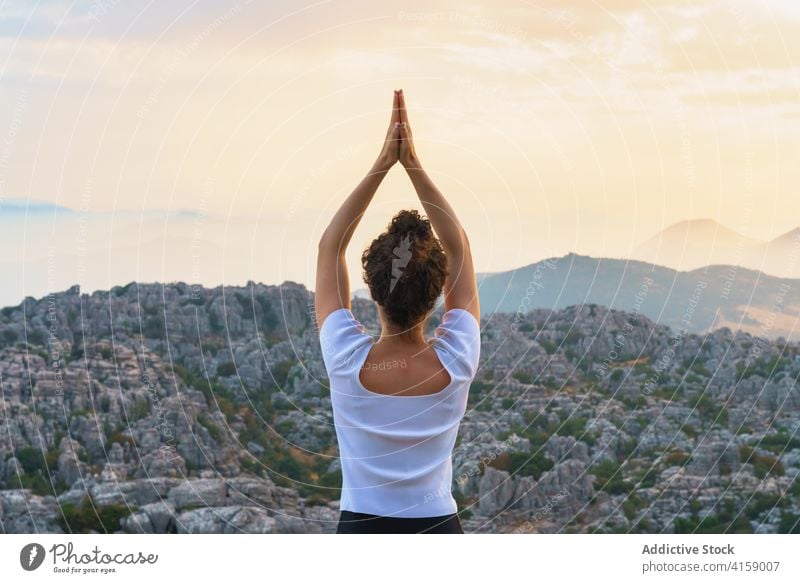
{"x": 552, "y": 126}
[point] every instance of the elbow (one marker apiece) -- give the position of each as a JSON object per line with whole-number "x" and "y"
{"x": 324, "y": 240}
{"x": 328, "y": 243}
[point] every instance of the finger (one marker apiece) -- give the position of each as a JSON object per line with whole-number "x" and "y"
{"x": 403, "y": 112}
{"x": 394, "y": 134}
{"x": 404, "y": 135}
{"x": 408, "y": 132}
{"x": 395, "y": 115}
{"x": 395, "y": 109}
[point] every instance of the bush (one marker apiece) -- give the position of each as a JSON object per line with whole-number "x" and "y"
{"x": 631, "y": 506}
{"x": 608, "y": 476}
{"x": 36, "y": 483}
{"x": 762, "y": 503}
{"x": 121, "y": 438}
{"x": 477, "y": 392}
{"x": 226, "y": 369}
{"x": 153, "y": 327}
{"x": 37, "y": 337}
{"x": 572, "y": 427}
{"x": 549, "y": 347}
{"x": 523, "y": 377}
{"x": 779, "y": 442}
{"x": 269, "y": 319}
{"x": 87, "y": 517}
{"x": 213, "y": 430}
{"x": 214, "y": 322}
{"x": 280, "y": 372}
{"x": 330, "y": 486}
{"x": 525, "y": 464}
{"x": 677, "y": 458}
{"x": 30, "y": 458}
{"x": 708, "y": 409}
{"x": 789, "y": 523}
{"x": 726, "y": 520}
{"x": 139, "y": 410}
{"x": 763, "y": 465}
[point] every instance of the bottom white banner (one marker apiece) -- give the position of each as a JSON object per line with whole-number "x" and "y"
{"x": 354, "y": 558}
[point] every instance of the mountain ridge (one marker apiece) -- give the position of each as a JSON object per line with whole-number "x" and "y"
{"x": 729, "y": 296}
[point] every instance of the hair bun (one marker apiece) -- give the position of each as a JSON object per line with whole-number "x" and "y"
{"x": 409, "y": 222}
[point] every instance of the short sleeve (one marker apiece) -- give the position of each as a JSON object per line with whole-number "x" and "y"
{"x": 339, "y": 337}
{"x": 459, "y": 339}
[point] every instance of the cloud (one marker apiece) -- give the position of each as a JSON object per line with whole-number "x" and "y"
{"x": 747, "y": 97}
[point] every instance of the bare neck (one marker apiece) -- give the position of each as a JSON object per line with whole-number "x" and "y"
{"x": 394, "y": 335}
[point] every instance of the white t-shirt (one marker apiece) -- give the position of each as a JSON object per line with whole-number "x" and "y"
{"x": 396, "y": 450}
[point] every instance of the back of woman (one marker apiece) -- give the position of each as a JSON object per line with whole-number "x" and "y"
{"x": 395, "y": 449}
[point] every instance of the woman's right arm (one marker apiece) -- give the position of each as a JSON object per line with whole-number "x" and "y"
{"x": 460, "y": 288}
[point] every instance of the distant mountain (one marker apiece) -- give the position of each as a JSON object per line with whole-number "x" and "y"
{"x": 697, "y": 243}
{"x": 781, "y": 256}
{"x": 699, "y": 300}
{"x": 13, "y": 207}
{"x": 22, "y": 206}
{"x": 688, "y": 245}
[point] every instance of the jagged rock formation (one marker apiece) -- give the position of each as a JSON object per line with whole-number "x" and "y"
{"x": 172, "y": 408}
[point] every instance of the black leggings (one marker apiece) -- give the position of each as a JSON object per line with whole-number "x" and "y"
{"x": 359, "y": 523}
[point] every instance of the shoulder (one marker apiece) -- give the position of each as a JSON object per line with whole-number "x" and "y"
{"x": 340, "y": 335}
{"x": 458, "y": 337}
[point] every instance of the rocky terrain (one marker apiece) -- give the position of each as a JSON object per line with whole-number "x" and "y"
{"x": 172, "y": 408}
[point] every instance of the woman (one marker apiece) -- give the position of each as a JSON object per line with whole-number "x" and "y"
{"x": 398, "y": 401}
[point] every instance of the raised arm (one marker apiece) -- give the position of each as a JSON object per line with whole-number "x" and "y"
{"x": 333, "y": 285}
{"x": 460, "y": 288}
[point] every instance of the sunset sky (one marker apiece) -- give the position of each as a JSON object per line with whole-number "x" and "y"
{"x": 551, "y": 125}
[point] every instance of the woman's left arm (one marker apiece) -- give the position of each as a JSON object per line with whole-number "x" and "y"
{"x": 333, "y": 285}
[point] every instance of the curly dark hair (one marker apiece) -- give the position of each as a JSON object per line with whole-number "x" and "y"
{"x": 405, "y": 268}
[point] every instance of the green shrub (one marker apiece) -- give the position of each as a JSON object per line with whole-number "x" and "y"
{"x": 478, "y": 390}
{"x": 214, "y": 322}
{"x": 549, "y": 347}
{"x": 86, "y": 517}
{"x": 153, "y": 327}
{"x": 226, "y": 369}
{"x": 280, "y": 372}
{"x": 789, "y": 523}
{"x": 213, "y": 429}
{"x": 525, "y": 464}
{"x": 524, "y": 377}
{"x": 779, "y": 442}
{"x": 764, "y": 502}
{"x": 726, "y": 520}
{"x": 763, "y": 465}
{"x": 30, "y": 458}
{"x": 609, "y": 478}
